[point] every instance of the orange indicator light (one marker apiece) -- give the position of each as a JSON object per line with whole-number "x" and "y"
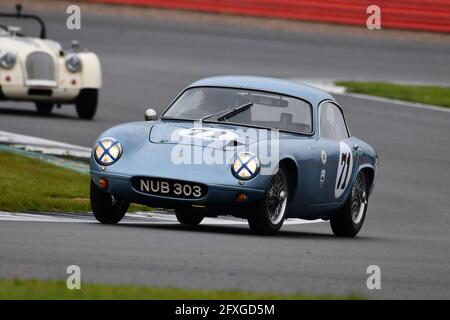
{"x": 103, "y": 183}
{"x": 241, "y": 197}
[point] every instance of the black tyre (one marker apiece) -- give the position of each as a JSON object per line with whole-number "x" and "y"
{"x": 44, "y": 108}
{"x": 349, "y": 219}
{"x": 189, "y": 217}
{"x": 105, "y": 207}
{"x": 269, "y": 215}
{"x": 86, "y": 103}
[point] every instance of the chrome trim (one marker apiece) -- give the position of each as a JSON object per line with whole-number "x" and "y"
{"x": 40, "y": 83}
{"x": 313, "y": 129}
{"x": 340, "y": 109}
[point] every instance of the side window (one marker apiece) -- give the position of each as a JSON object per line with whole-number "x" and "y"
{"x": 331, "y": 122}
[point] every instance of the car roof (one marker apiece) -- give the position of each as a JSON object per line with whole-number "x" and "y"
{"x": 303, "y": 91}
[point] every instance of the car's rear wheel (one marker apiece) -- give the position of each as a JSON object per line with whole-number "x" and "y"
{"x": 86, "y": 103}
{"x": 269, "y": 215}
{"x": 105, "y": 207}
{"x": 44, "y": 108}
{"x": 189, "y": 217}
{"x": 349, "y": 219}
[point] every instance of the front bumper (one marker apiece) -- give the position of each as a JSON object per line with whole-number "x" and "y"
{"x": 219, "y": 198}
{"x": 25, "y": 93}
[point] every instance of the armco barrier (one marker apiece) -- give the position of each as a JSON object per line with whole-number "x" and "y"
{"x": 425, "y": 15}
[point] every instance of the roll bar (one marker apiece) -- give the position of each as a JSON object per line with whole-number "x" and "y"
{"x": 20, "y": 15}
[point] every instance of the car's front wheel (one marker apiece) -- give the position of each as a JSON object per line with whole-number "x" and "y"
{"x": 44, "y": 108}
{"x": 189, "y": 217}
{"x": 105, "y": 207}
{"x": 349, "y": 219}
{"x": 269, "y": 215}
{"x": 86, "y": 103}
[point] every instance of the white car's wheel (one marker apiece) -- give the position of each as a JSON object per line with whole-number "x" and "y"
{"x": 105, "y": 207}
{"x": 270, "y": 213}
{"x": 86, "y": 103}
{"x": 349, "y": 219}
{"x": 44, "y": 108}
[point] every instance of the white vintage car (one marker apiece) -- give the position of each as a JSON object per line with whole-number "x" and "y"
{"x": 40, "y": 71}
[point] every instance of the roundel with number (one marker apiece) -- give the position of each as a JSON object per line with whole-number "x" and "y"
{"x": 209, "y": 134}
{"x": 344, "y": 171}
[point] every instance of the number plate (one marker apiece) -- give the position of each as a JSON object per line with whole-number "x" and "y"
{"x": 169, "y": 188}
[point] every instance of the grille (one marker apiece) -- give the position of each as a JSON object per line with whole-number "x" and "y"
{"x": 40, "y": 66}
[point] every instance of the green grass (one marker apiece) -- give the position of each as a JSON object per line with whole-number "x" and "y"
{"x": 57, "y": 290}
{"x": 28, "y": 184}
{"x": 439, "y": 96}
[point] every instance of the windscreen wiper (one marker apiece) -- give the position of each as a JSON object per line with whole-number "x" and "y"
{"x": 228, "y": 112}
{"x": 213, "y": 114}
{"x": 235, "y": 111}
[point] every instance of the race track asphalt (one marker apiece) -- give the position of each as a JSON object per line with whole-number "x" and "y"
{"x": 146, "y": 63}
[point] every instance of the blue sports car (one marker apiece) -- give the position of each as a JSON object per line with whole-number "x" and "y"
{"x": 257, "y": 148}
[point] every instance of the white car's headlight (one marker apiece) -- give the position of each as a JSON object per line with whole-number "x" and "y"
{"x": 7, "y": 59}
{"x": 245, "y": 166}
{"x": 73, "y": 63}
{"x": 107, "y": 151}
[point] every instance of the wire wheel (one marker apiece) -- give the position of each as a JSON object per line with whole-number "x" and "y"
{"x": 348, "y": 220}
{"x": 277, "y": 197}
{"x": 359, "y": 199}
{"x": 268, "y": 216}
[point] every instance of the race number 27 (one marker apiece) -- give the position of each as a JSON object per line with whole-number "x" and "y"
{"x": 344, "y": 171}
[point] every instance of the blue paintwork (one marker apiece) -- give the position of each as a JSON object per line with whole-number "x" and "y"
{"x": 147, "y": 150}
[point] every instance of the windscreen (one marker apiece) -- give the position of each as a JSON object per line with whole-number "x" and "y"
{"x": 263, "y": 109}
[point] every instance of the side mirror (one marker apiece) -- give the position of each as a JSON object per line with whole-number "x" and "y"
{"x": 150, "y": 115}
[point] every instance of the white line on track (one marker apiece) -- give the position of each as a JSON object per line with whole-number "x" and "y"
{"x": 45, "y": 146}
{"x": 329, "y": 86}
{"x": 153, "y": 217}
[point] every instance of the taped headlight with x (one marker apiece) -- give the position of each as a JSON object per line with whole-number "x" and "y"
{"x": 108, "y": 151}
{"x": 245, "y": 166}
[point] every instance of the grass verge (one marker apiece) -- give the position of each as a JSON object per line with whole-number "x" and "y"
{"x": 32, "y": 185}
{"x": 438, "y": 96}
{"x": 57, "y": 290}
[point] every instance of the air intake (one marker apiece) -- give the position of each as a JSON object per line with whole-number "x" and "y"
{"x": 40, "y": 66}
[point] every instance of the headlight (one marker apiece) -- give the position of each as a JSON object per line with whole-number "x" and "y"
{"x": 107, "y": 151}
{"x": 7, "y": 59}
{"x": 73, "y": 62}
{"x": 245, "y": 166}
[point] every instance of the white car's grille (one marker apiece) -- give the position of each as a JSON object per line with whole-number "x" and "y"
{"x": 40, "y": 66}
